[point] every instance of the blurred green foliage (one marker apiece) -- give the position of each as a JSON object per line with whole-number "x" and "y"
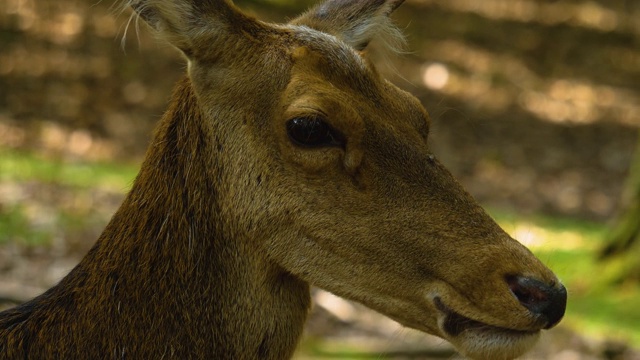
{"x": 22, "y": 167}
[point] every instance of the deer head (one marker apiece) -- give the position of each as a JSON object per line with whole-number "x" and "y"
{"x": 323, "y": 171}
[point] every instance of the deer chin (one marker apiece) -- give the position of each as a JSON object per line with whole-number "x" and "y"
{"x": 481, "y": 341}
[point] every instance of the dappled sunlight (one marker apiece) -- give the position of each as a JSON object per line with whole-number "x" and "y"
{"x": 588, "y": 14}
{"x": 60, "y": 29}
{"x": 71, "y": 74}
{"x": 581, "y": 102}
{"x": 55, "y": 141}
{"x": 435, "y": 76}
{"x": 538, "y": 237}
{"x": 53, "y": 62}
{"x": 23, "y": 10}
{"x": 564, "y": 190}
{"x": 470, "y": 74}
{"x": 475, "y": 89}
{"x": 340, "y": 308}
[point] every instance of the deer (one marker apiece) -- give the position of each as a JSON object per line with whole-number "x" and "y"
{"x": 284, "y": 161}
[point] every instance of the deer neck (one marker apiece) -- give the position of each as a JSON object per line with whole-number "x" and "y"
{"x": 185, "y": 271}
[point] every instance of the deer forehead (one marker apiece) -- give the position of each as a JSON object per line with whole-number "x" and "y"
{"x": 323, "y": 55}
{"x": 329, "y": 45}
{"x": 323, "y": 66}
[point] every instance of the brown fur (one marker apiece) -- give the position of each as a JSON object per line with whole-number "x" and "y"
{"x": 212, "y": 252}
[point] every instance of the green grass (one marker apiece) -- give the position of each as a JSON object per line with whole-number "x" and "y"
{"x": 15, "y": 225}
{"x": 24, "y": 222}
{"x": 22, "y": 167}
{"x": 597, "y": 305}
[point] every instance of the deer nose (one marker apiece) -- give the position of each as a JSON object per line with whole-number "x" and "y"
{"x": 541, "y": 299}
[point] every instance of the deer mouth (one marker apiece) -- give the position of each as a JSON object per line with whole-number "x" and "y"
{"x": 455, "y": 324}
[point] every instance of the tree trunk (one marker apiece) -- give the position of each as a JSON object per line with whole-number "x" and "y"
{"x": 624, "y": 237}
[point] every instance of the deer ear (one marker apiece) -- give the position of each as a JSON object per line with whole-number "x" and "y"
{"x": 186, "y": 23}
{"x": 356, "y": 22}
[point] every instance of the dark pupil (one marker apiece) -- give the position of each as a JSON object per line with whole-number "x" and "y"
{"x": 310, "y": 132}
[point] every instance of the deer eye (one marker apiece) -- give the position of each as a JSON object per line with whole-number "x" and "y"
{"x": 312, "y": 132}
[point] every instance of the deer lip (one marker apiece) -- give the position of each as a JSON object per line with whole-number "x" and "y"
{"x": 454, "y": 324}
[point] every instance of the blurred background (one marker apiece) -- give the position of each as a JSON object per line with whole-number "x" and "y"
{"x": 535, "y": 107}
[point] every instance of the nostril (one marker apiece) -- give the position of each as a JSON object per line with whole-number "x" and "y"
{"x": 541, "y": 299}
{"x": 528, "y": 293}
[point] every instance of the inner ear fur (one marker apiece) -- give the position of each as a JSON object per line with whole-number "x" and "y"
{"x": 186, "y": 24}
{"x": 355, "y": 22}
